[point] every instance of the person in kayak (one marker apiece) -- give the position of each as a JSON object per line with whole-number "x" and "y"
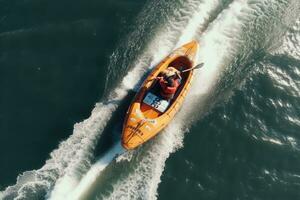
{"x": 169, "y": 81}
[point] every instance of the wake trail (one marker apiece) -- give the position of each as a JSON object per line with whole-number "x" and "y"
{"x": 73, "y": 154}
{"x": 92, "y": 174}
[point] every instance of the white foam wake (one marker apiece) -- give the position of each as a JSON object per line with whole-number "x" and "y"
{"x": 291, "y": 43}
{"x": 91, "y": 176}
{"x": 74, "y": 154}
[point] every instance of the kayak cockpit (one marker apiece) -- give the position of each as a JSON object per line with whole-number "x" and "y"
{"x": 153, "y": 104}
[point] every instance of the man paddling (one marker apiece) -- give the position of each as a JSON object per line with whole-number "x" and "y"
{"x": 169, "y": 81}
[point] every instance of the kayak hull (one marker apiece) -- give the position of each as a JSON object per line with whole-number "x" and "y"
{"x": 145, "y": 120}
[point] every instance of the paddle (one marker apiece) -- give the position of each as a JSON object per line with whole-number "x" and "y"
{"x": 187, "y": 70}
{"x": 196, "y": 67}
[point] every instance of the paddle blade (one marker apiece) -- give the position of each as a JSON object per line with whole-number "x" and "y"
{"x": 199, "y": 66}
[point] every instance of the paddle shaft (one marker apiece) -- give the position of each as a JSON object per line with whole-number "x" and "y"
{"x": 196, "y": 67}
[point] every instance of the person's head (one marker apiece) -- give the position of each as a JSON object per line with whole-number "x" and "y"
{"x": 170, "y": 71}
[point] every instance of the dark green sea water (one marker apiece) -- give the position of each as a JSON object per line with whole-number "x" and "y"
{"x": 69, "y": 69}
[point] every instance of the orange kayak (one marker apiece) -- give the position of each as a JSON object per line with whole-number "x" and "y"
{"x": 149, "y": 113}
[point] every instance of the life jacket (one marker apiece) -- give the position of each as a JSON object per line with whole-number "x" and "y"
{"x": 166, "y": 91}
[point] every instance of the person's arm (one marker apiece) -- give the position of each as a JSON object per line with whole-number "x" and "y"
{"x": 178, "y": 75}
